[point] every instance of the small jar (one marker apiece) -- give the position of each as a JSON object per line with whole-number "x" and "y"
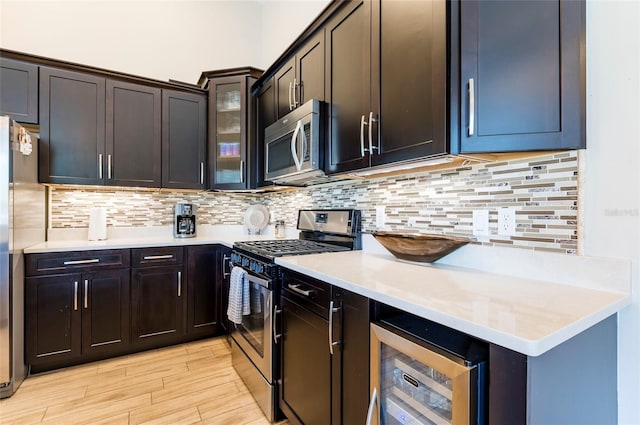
{"x": 280, "y": 230}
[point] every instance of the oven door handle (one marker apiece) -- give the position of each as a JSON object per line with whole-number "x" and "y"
{"x": 262, "y": 282}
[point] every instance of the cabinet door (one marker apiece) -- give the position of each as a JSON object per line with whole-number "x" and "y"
{"x": 265, "y": 116}
{"x": 310, "y": 67}
{"x": 184, "y": 129}
{"x": 284, "y": 82}
{"x": 72, "y": 127}
{"x": 133, "y": 135}
{"x": 157, "y": 305}
{"x": 105, "y": 311}
{"x": 522, "y": 75}
{"x": 305, "y": 390}
{"x": 351, "y": 358}
{"x": 409, "y": 79}
{"x": 203, "y": 290}
{"x": 348, "y": 85}
{"x": 19, "y": 90}
{"x": 52, "y": 318}
{"x": 228, "y": 132}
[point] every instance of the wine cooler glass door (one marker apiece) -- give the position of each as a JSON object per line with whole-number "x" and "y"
{"x": 415, "y": 385}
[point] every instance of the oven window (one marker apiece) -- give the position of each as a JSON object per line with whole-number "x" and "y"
{"x": 252, "y": 327}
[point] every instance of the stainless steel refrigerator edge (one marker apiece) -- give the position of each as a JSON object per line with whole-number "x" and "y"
{"x": 22, "y": 224}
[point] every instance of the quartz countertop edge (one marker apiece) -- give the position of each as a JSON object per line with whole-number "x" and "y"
{"x": 525, "y": 315}
{"x": 79, "y": 245}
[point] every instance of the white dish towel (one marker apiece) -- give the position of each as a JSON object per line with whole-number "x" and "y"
{"x": 238, "y": 296}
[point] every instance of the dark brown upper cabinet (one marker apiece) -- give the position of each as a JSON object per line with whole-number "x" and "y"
{"x": 133, "y": 135}
{"x": 302, "y": 78}
{"x": 19, "y": 90}
{"x": 264, "y": 117}
{"x": 232, "y": 136}
{"x": 386, "y": 75}
{"x": 72, "y": 127}
{"x": 522, "y": 80}
{"x": 184, "y": 129}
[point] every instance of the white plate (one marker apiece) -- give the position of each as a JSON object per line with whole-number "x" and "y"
{"x": 256, "y": 217}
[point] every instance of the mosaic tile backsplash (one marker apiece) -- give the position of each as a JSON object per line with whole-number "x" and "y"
{"x": 543, "y": 190}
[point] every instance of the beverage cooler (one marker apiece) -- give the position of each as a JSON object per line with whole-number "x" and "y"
{"x": 423, "y": 373}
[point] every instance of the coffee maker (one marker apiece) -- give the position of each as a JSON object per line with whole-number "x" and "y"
{"x": 184, "y": 223}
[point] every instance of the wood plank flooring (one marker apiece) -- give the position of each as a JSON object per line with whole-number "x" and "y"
{"x": 192, "y": 383}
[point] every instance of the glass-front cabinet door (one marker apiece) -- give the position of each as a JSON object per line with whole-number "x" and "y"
{"x": 228, "y": 134}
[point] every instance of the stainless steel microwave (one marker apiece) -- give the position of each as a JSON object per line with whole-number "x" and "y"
{"x": 292, "y": 146}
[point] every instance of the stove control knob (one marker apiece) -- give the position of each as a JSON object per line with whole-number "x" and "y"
{"x": 259, "y": 268}
{"x": 252, "y": 265}
{"x": 245, "y": 262}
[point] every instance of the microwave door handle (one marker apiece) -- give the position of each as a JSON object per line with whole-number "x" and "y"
{"x": 294, "y": 149}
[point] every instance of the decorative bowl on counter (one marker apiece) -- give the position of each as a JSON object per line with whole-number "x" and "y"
{"x": 420, "y": 247}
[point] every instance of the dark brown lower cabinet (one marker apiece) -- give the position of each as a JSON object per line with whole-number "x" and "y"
{"x": 322, "y": 383}
{"x": 157, "y": 305}
{"x": 74, "y": 316}
{"x": 203, "y": 290}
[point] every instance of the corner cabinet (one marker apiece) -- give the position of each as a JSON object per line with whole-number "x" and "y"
{"x": 388, "y": 102}
{"x": 231, "y": 110}
{"x": 522, "y": 85}
{"x": 19, "y": 90}
{"x": 184, "y": 132}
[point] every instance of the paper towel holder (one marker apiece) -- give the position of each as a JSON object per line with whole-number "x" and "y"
{"x": 97, "y": 224}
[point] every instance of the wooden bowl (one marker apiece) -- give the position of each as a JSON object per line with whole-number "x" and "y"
{"x": 420, "y": 247}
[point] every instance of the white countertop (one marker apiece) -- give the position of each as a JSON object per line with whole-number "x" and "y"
{"x": 525, "y": 315}
{"x": 487, "y": 292}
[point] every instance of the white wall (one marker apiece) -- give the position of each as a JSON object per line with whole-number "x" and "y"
{"x": 157, "y": 39}
{"x": 134, "y": 37}
{"x": 612, "y": 169}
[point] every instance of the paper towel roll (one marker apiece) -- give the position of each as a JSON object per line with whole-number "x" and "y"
{"x": 98, "y": 224}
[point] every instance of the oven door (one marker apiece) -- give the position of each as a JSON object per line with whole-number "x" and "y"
{"x": 254, "y": 334}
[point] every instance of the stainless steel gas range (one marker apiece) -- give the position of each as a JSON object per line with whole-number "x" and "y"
{"x": 255, "y": 339}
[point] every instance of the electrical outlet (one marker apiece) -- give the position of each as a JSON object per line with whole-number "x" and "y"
{"x": 480, "y": 222}
{"x": 411, "y": 222}
{"x": 506, "y": 221}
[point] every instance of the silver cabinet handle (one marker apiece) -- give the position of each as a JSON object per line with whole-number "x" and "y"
{"x": 276, "y": 335}
{"x": 74, "y": 262}
{"x": 179, "y": 284}
{"x": 226, "y": 260}
{"x": 241, "y": 171}
{"x": 295, "y": 101}
{"x": 109, "y": 167}
{"x": 158, "y": 257}
{"x": 370, "y": 124}
{"x": 75, "y": 295}
{"x": 332, "y": 310}
{"x": 472, "y": 106}
{"x": 296, "y": 288}
{"x": 290, "y": 97}
{"x": 202, "y": 173}
{"x": 86, "y": 293}
{"x": 362, "y": 124}
{"x": 100, "y": 166}
{"x": 372, "y": 403}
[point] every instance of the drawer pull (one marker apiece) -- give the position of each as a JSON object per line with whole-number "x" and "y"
{"x": 74, "y": 262}
{"x": 158, "y": 257}
{"x": 305, "y": 292}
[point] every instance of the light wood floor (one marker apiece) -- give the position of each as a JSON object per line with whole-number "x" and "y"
{"x": 191, "y": 383}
